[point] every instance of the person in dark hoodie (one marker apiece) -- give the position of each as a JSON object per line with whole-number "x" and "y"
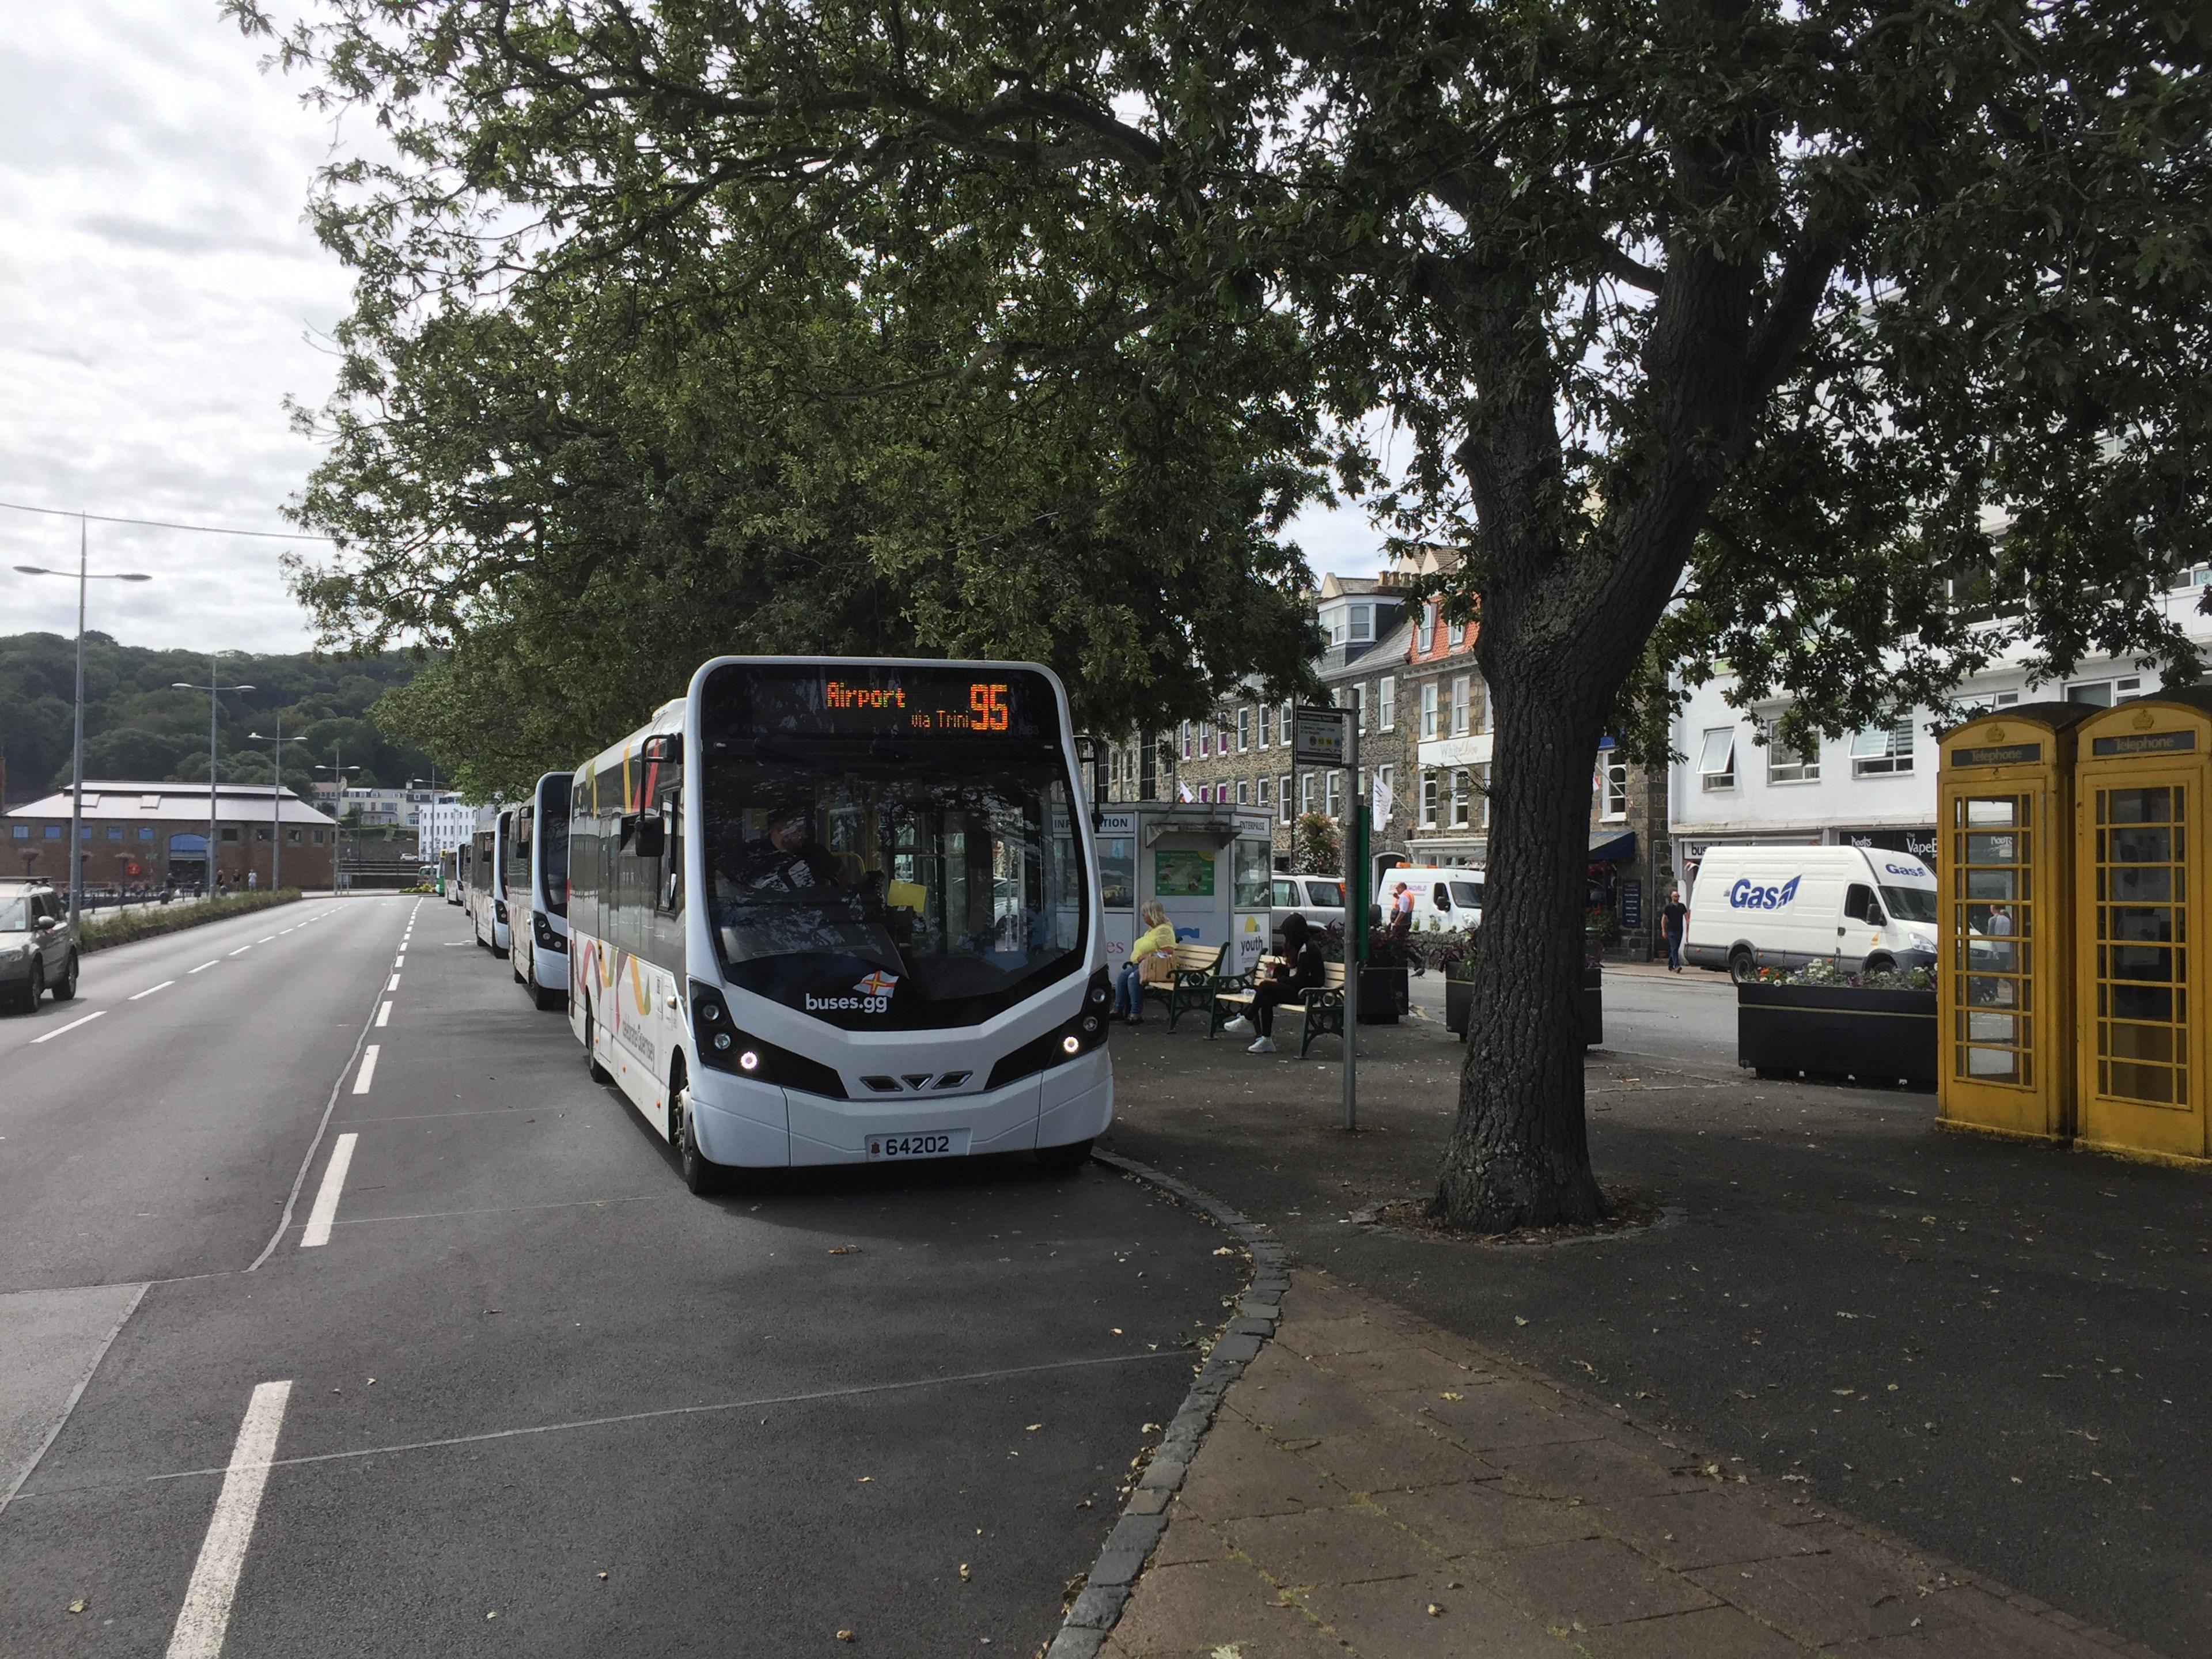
{"x": 1304, "y": 972}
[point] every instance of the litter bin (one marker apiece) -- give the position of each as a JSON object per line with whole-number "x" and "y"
{"x": 2004, "y": 947}
{"x": 2142, "y": 786}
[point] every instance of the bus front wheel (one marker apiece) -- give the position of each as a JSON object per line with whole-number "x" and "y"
{"x": 1060, "y": 1160}
{"x": 701, "y": 1175}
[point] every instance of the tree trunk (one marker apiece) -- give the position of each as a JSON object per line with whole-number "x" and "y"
{"x": 1519, "y": 1155}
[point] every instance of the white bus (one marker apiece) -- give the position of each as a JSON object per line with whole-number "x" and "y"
{"x": 844, "y": 912}
{"x": 537, "y": 892}
{"x": 486, "y": 901}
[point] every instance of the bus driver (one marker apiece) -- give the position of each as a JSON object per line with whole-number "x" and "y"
{"x": 787, "y": 860}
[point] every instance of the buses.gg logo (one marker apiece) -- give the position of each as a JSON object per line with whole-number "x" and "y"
{"x": 1745, "y": 896}
{"x": 874, "y": 998}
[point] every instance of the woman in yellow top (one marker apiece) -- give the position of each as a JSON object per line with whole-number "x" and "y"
{"x": 1129, "y": 990}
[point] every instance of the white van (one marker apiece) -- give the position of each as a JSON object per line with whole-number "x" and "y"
{"x": 1444, "y": 896}
{"x": 1782, "y": 907}
{"x": 1319, "y": 899}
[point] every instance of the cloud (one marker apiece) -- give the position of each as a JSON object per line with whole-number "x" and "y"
{"x": 164, "y": 297}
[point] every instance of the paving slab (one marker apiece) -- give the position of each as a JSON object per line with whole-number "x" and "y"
{"x": 1325, "y": 1513}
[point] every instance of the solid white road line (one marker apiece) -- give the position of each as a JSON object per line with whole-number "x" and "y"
{"x": 150, "y": 989}
{"x": 384, "y": 1015}
{"x": 203, "y": 1619}
{"x": 360, "y": 1078}
{"x": 64, "y": 1030}
{"x": 393, "y": 984}
{"x": 326, "y": 1196}
{"x": 204, "y": 966}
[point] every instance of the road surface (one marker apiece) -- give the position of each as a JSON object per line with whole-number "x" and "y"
{"x": 306, "y": 1352}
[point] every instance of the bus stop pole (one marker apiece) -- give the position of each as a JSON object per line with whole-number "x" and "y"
{"x": 1355, "y": 915}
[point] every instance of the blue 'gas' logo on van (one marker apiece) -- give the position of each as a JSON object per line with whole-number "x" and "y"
{"x": 1745, "y": 896}
{"x": 1905, "y": 870}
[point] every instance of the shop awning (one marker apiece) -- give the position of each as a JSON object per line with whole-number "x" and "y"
{"x": 1612, "y": 846}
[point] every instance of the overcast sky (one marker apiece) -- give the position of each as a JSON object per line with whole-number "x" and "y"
{"x": 162, "y": 297}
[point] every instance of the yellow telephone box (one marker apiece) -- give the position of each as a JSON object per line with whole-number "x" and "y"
{"x": 2142, "y": 786}
{"x": 2003, "y": 972}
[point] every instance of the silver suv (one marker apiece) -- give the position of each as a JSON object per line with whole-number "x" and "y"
{"x": 38, "y": 946}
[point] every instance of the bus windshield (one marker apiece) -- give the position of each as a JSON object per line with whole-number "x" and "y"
{"x": 878, "y": 873}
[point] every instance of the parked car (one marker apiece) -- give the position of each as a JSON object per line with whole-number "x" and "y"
{"x": 38, "y": 946}
{"x": 1319, "y": 899}
{"x": 1863, "y": 908}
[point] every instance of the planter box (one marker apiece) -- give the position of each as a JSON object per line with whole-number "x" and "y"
{"x": 1459, "y": 1003}
{"x": 1383, "y": 995}
{"x": 1837, "y": 1030}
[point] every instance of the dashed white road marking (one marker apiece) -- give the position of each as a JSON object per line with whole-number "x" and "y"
{"x": 150, "y": 989}
{"x": 399, "y": 961}
{"x": 64, "y": 1030}
{"x": 393, "y": 983}
{"x": 204, "y": 1618}
{"x": 384, "y": 1015}
{"x": 205, "y": 965}
{"x": 360, "y": 1078}
{"x": 264, "y": 939}
{"x": 326, "y": 1196}
{"x": 241, "y": 949}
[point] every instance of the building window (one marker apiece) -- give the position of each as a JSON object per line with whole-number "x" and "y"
{"x": 1482, "y": 797}
{"x": 1787, "y": 765}
{"x": 1883, "y": 751}
{"x": 318, "y": 838}
{"x": 1148, "y": 769}
{"x": 2105, "y": 693}
{"x": 1363, "y": 622}
{"x": 1429, "y": 627}
{"x": 1243, "y": 730}
{"x": 1360, "y": 703}
{"x": 292, "y": 837}
{"x": 1266, "y": 725}
{"x": 1186, "y": 739}
{"x": 1462, "y": 706}
{"x": 1333, "y": 794}
{"x": 145, "y": 832}
{"x": 1284, "y": 724}
{"x": 1428, "y": 800}
{"x": 1716, "y": 759}
{"x": 53, "y": 832}
{"x": 19, "y": 832}
{"x": 1429, "y": 708}
{"x": 1243, "y": 793}
{"x": 1305, "y": 794}
{"x": 1283, "y": 798}
{"x": 1267, "y": 791}
{"x": 115, "y": 832}
{"x": 1616, "y": 785}
{"x": 1460, "y": 796}
{"x": 231, "y": 833}
{"x": 1386, "y": 702}
{"x": 261, "y": 832}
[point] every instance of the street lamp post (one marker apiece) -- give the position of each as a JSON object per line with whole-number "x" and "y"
{"x": 76, "y": 760}
{"x": 214, "y": 709}
{"x": 338, "y": 770}
{"x": 276, "y": 743}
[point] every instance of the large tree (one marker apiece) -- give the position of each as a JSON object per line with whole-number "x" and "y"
{"x": 1703, "y": 329}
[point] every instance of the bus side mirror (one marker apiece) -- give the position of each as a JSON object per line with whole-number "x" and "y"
{"x": 652, "y": 835}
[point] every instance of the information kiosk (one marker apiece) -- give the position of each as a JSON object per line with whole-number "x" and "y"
{"x": 2142, "y": 785}
{"x": 2005, "y": 972}
{"x": 1210, "y": 865}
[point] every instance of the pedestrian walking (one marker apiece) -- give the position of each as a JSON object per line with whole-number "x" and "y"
{"x": 1674, "y": 922}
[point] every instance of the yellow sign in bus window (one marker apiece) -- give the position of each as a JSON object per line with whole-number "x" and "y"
{"x": 1993, "y": 916}
{"x": 2142, "y": 945}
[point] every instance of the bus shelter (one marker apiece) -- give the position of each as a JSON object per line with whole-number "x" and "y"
{"x": 2143, "y": 784}
{"x": 2004, "y": 970}
{"x": 1210, "y": 866}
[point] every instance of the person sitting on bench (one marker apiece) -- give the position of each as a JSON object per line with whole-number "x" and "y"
{"x": 1307, "y": 972}
{"x": 1158, "y": 938}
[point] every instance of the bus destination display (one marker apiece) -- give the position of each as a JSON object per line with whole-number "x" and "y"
{"x": 873, "y": 702}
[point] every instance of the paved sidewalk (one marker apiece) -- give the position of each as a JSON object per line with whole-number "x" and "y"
{"x": 1376, "y": 1487}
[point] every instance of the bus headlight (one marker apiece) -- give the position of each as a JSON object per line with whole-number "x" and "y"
{"x": 542, "y": 933}
{"x": 723, "y": 1047}
{"x": 1087, "y": 1030}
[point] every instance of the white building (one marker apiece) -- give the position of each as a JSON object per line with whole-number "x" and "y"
{"x": 1871, "y": 788}
{"x": 445, "y": 822}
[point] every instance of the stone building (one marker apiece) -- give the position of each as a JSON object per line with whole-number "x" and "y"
{"x": 149, "y": 834}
